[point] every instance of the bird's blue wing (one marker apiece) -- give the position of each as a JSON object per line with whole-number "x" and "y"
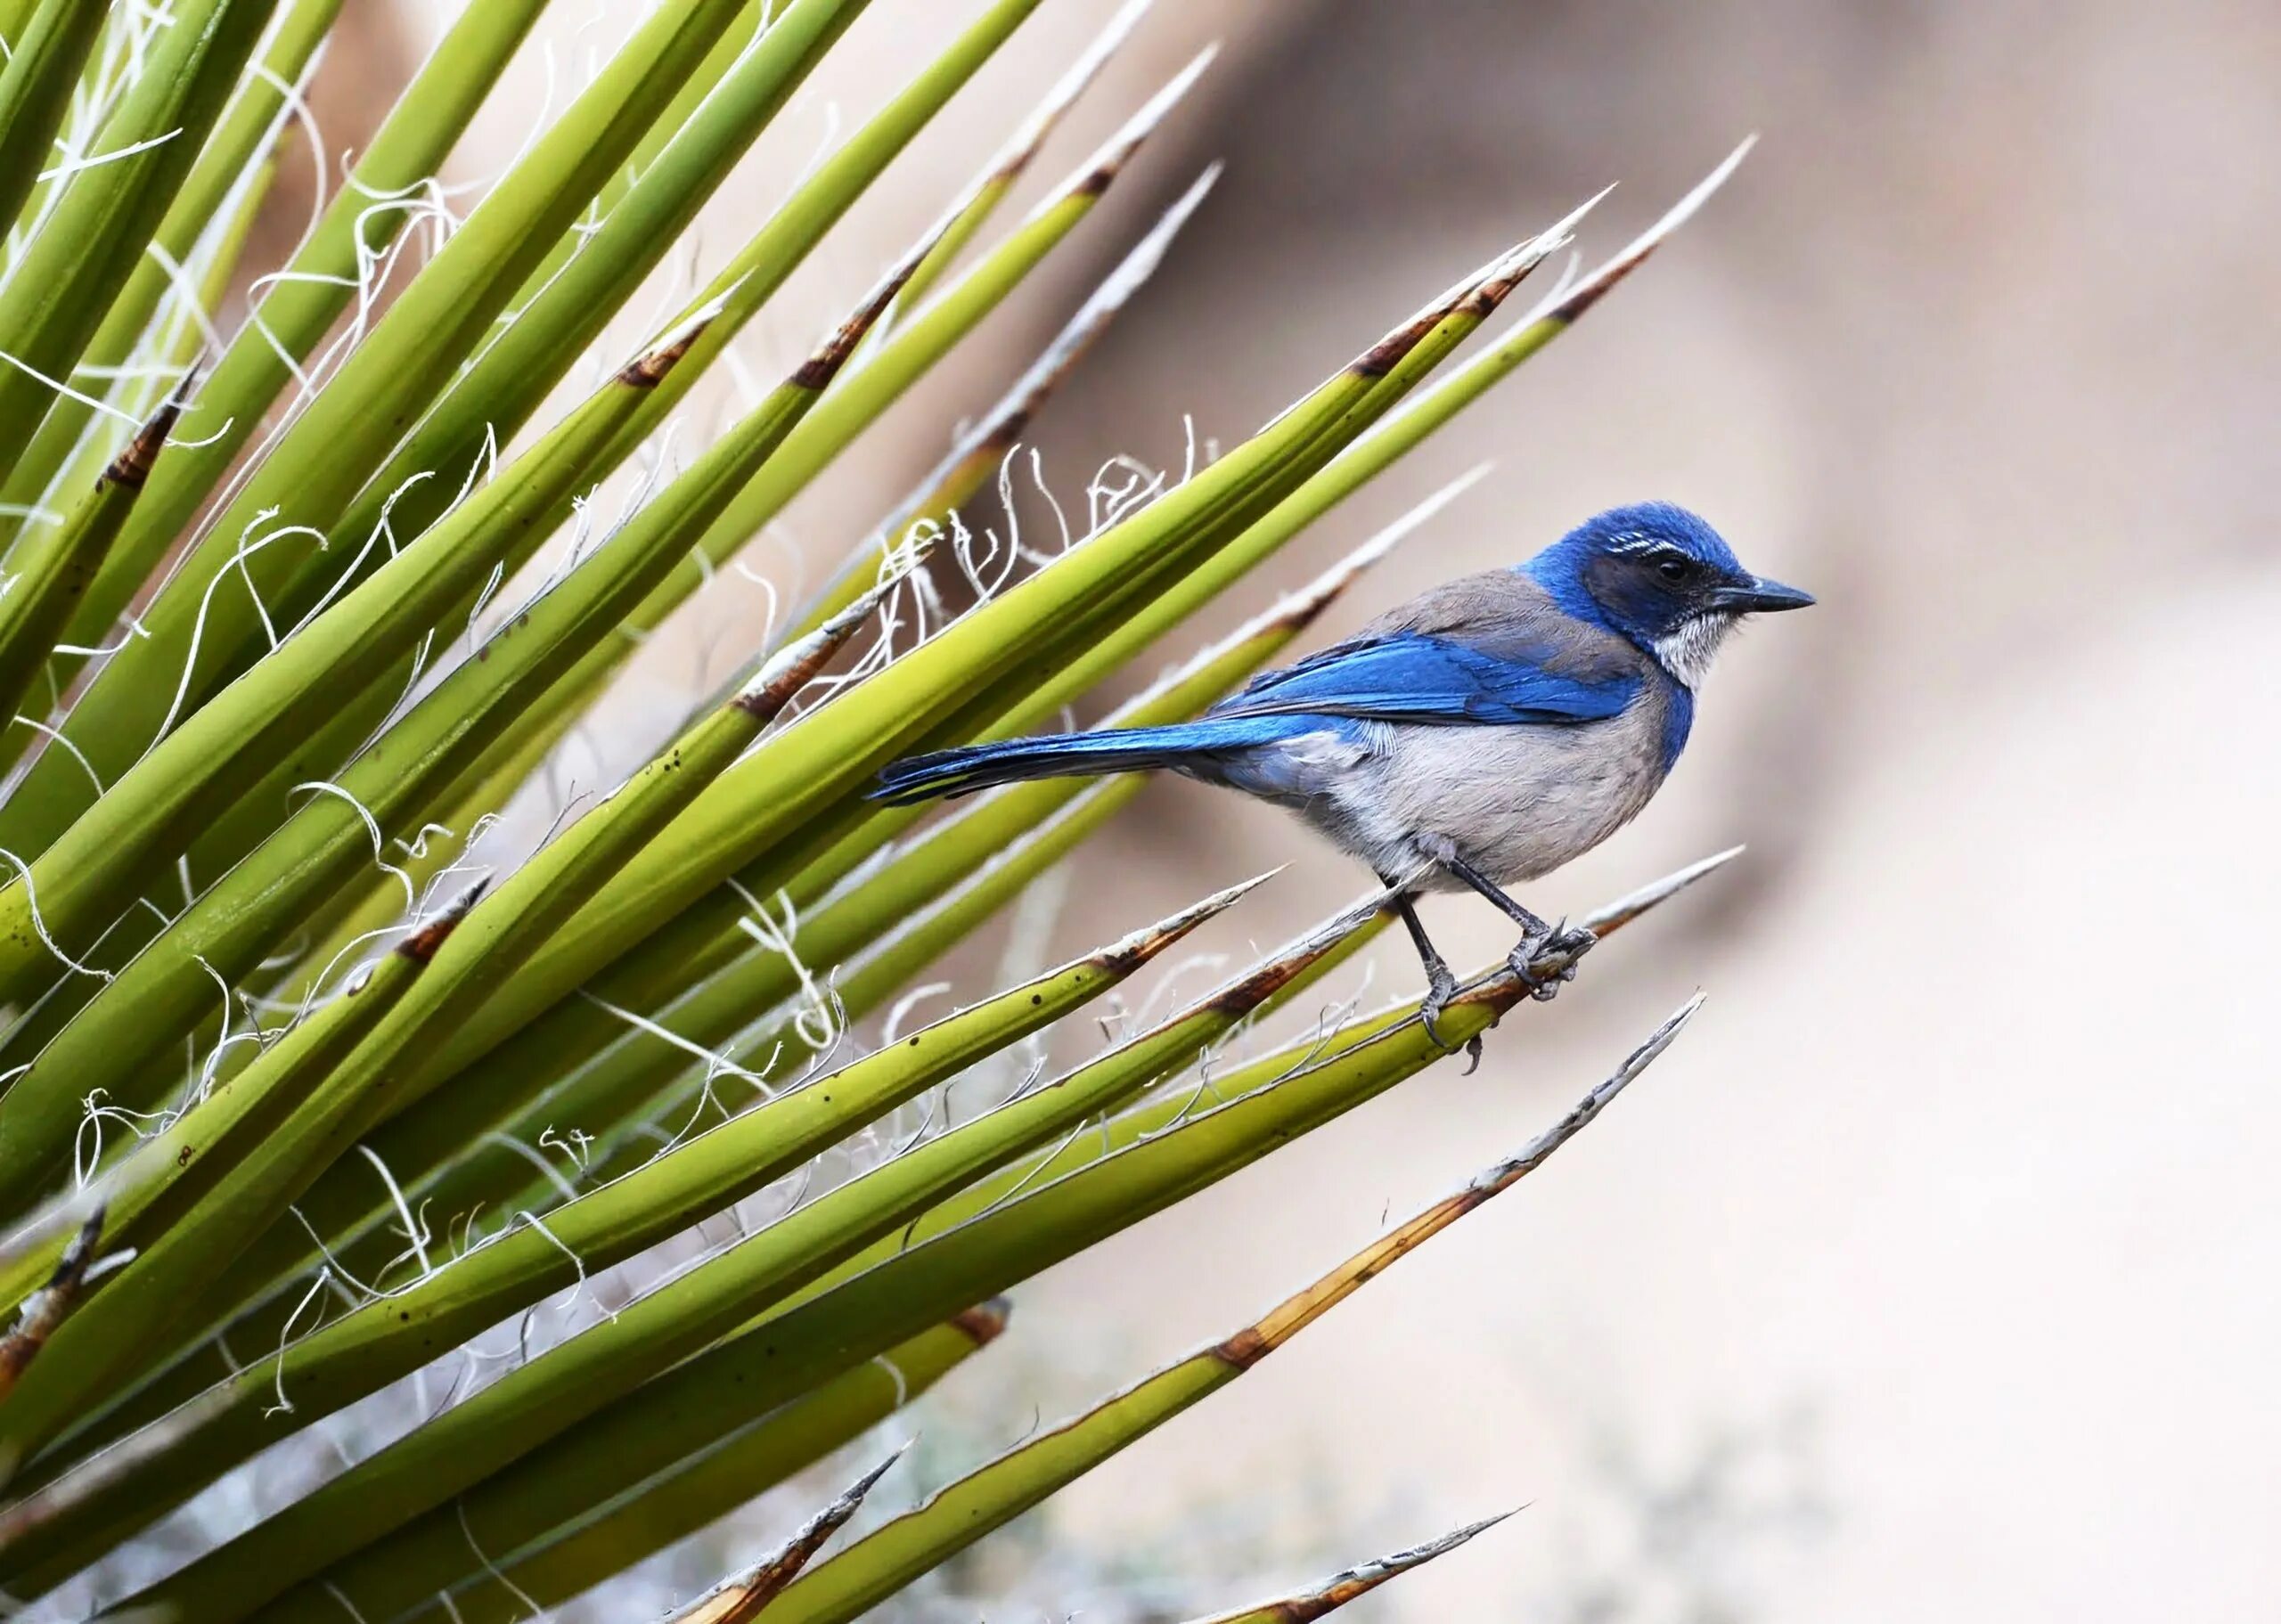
{"x": 1413, "y": 677}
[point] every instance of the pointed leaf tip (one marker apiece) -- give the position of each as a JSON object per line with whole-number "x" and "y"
{"x": 748, "y": 1598}
{"x": 422, "y": 945}
{"x": 1508, "y": 1173}
{"x": 1003, "y": 424}
{"x": 1271, "y": 975}
{"x": 795, "y": 665}
{"x": 1022, "y": 146}
{"x": 1114, "y": 154}
{"x": 1571, "y": 303}
{"x": 647, "y": 369}
{"x": 1501, "y": 275}
{"x": 1150, "y": 940}
{"x": 1614, "y": 916}
{"x": 824, "y": 362}
{"x": 131, "y": 469}
{"x": 1328, "y": 1595}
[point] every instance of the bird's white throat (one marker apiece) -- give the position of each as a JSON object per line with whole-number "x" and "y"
{"x": 1687, "y": 653}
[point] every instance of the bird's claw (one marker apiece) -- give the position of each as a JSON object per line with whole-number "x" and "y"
{"x": 1563, "y": 943}
{"x": 1441, "y": 987}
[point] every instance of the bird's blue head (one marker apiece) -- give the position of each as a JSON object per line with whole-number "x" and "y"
{"x": 1660, "y": 576}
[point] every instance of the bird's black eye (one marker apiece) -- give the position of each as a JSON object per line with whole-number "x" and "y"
{"x": 1671, "y": 569}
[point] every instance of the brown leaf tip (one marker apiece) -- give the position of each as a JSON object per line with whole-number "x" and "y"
{"x": 1150, "y": 940}
{"x": 1264, "y": 981}
{"x": 985, "y": 1322}
{"x": 1006, "y": 429}
{"x": 817, "y": 371}
{"x": 1386, "y": 353}
{"x": 131, "y": 469}
{"x": 1246, "y": 1348}
{"x": 1589, "y": 292}
{"x": 1484, "y": 300}
{"x": 787, "y": 675}
{"x": 647, "y": 369}
{"x": 45, "y": 1309}
{"x": 422, "y": 945}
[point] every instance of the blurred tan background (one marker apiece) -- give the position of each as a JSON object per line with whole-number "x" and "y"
{"x": 1934, "y": 1272}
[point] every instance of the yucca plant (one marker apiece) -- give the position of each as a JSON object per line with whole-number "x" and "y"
{"x": 305, "y": 1092}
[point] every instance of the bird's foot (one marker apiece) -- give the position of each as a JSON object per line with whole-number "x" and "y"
{"x": 1441, "y": 986}
{"x": 1545, "y": 963}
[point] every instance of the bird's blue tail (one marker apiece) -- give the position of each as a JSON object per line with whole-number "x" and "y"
{"x": 964, "y": 771}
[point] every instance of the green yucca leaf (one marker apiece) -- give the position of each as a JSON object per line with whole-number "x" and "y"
{"x": 213, "y": 602}
{"x": 999, "y": 176}
{"x": 979, "y": 453}
{"x": 739, "y": 293}
{"x": 885, "y": 930}
{"x": 121, "y": 1329}
{"x": 181, "y": 1162}
{"x": 930, "y": 332}
{"x": 890, "y": 1557}
{"x": 84, "y": 1512}
{"x": 303, "y": 299}
{"x": 743, "y": 1464}
{"x": 227, "y": 164}
{"x": 229, "y": 928}
{"x": 148, "y": 817}
{"x": 46, "y": 47}
{"x": 506, "y": 383}
{"x": 1318, "y": 1599}
{"x": 852, "y": 407}
{"x": 1235, "y": 1083}
{"x": 744, "y": 1599}
{"x": 815, "y": 1340}
{"x": 49, "y": 567}
{"x": 179, "y": 338}
{"x": 953, "y": 483}
{"x": 1097, "y": 1182}
{"x": 774, "y": 799}
{"x": 735, "y": 40}
{"x": 91, "y": 241}
{"x": 570, "y": 1383}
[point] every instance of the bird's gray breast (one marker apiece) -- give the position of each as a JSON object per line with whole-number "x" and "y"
{"x": 1517, "y": 801}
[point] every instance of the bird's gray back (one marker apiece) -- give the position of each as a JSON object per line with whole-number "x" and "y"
{"x": 1504, "y": 613}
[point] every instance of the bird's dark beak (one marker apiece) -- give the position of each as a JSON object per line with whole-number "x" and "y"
{"x": 1760, "y": 596}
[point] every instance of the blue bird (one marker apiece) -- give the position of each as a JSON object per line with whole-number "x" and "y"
{"x": 1478, "y": 736}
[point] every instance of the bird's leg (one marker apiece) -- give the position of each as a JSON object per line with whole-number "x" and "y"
{"x": 1537, "y": 937}
{"x": 1441, "y": 982}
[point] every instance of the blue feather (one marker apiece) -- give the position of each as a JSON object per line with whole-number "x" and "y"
{"x": 976, "y": 767}
{"x": 1422, "y": 678}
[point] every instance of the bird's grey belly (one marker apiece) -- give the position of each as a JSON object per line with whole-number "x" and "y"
{"x": 1515, "y": 802}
